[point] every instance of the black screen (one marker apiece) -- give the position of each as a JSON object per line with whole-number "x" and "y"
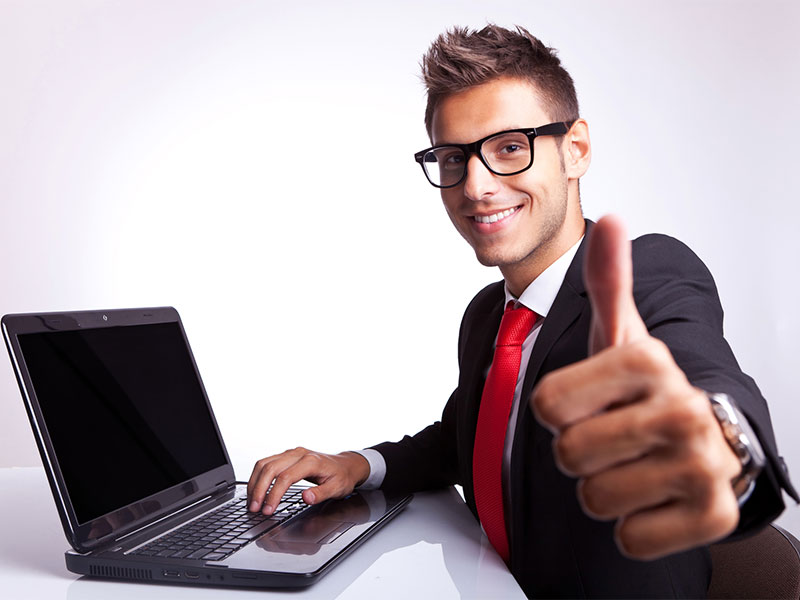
{"x": 125, "y": 411}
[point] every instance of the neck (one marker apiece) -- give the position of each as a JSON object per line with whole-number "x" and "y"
{"x": 520, "y": 275}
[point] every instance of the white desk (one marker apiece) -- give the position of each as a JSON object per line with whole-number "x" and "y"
{"x": 433, "y": 549}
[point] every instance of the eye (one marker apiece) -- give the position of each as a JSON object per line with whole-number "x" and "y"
{"x": 450, "y": 158}
{"x": 507, "y": 147}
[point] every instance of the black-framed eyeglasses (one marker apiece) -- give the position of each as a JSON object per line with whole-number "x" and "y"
{"x": 503, "y": 153}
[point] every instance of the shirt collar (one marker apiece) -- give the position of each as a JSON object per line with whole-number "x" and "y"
{"x": 541, "y": 292}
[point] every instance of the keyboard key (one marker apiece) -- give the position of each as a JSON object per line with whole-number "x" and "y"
{"x": 214, "y": 556}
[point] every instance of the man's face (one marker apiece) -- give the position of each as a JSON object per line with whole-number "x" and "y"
{"x": 530, "y": 208}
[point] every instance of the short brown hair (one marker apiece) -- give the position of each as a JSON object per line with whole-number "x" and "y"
{"x": 459, "y": 59}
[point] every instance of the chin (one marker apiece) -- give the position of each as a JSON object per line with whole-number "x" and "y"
{"x": 487, "y": 261}
{"x": 494, "y": 259}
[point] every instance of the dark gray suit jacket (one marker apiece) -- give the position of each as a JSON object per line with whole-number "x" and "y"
{"x": 556, "y": 550}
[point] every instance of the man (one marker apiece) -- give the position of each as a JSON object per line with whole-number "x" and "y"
{"x": 589, "y": 427}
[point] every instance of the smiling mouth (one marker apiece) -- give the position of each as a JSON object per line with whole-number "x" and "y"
{"x": 496, "y": 216}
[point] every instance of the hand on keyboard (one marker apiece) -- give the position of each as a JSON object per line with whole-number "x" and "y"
{"x": 336, "y": 475}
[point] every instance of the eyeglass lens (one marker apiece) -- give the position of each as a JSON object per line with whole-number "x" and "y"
{"x": 505, "y": 153}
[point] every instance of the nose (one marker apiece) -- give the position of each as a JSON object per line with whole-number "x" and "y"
{"x": 480, "y": 182}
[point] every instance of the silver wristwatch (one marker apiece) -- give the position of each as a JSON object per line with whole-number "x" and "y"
{"x": 743, "y": 442}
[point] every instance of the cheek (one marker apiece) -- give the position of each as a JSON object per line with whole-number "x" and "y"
{"x": 450, "y": 202}
{"x": 540, "y": 186}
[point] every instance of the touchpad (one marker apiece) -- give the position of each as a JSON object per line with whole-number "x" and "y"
{"x": 317, "y": 530}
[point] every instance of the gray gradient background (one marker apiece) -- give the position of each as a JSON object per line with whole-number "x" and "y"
{"x": 251, "y": 164}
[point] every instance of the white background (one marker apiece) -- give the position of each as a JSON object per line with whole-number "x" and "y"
{"x": 251, "y": 163}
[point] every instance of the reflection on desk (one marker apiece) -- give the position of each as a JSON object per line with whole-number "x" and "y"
{"x": 434, "y": 548}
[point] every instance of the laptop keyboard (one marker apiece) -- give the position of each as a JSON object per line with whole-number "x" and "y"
{"x": 223, "y": 531}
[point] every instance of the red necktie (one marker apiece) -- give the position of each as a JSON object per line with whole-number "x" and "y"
{"x": 490, "y": 435}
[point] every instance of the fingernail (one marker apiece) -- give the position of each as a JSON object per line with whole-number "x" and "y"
{"x": 269, "y": 509}
{"x": 309, "y": 497}
{"x": 254, "y": 506}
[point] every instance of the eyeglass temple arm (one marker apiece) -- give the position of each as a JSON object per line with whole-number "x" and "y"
{"x": 555, "y": 128}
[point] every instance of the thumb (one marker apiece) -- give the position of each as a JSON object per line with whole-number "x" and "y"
{"x": 330, "y": 488}
{"x": 608, "y": 275}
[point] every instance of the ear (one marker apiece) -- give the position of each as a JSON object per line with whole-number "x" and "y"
{"x": 577, "y": 150}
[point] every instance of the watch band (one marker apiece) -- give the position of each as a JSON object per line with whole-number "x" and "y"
{"x": 743, "y": 442}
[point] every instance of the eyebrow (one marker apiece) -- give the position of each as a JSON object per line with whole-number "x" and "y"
{"x": 507, "y": 128}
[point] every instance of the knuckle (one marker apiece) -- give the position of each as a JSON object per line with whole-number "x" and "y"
{"x": 261, "y": 485}
{"x": 656, "y": 352}
{"x": 650, "y": 356}
{"x": 687, "y": 416}
{"x": 311, "y": 458}
{"x": 705, "y": 481}
{"x": 718, "y": 515}
{"x": 268, "y": 471}
{"x": 633, "y": 357}
{"x": 697, "y": 409}
{"x": 697, "y": 476}
{"x": 283, "y": 480}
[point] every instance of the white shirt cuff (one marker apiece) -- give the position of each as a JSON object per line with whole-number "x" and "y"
{"x": 377, "y": 469}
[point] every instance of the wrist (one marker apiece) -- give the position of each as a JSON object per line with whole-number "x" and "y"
{"x": 357, "y": 467}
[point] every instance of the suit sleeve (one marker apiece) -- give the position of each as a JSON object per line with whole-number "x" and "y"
{"x": 678, "y": 300}
{"x": 423, "y": 461}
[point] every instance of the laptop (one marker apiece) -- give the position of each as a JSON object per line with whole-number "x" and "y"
{"x": 138, "y": 469}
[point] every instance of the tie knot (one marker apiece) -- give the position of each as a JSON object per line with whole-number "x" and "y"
{"x": 516, "y": 325}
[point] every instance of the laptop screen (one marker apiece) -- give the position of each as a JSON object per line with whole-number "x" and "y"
{"x": 125, "y": 411}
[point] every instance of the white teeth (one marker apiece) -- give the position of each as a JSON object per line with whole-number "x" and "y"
{"x": 495, "y": 217}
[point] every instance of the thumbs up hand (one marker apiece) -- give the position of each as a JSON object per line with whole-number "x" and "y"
{"x": 642, "y": 441}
